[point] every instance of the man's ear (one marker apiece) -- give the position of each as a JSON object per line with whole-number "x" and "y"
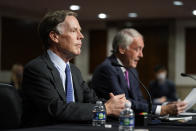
{"x": 121, "y": 50}
{"x": 54, "y": 36}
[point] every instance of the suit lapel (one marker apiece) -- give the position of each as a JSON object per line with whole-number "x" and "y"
{"x": 56, "y": 76}
{"x": 132, "y": 84}
{"x": 58, "y": 83}
{"x": 121, "y": 76}
{"x": 76, "y": 84}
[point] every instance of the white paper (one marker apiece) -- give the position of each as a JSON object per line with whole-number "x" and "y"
{"x": 190, "y": 99}
{"x": 187, "y": 114}
{"x": 180, "y": 118}
{"x": 141, "y": 130}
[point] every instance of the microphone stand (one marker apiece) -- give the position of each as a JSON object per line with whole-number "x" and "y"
{"x": 147, "y": 92}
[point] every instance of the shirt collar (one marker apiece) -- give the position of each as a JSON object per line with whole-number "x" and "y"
{"x": 120, "y": 62}
{"x": 56, "y": 60}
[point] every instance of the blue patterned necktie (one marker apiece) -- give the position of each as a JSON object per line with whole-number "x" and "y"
{"x": 69, "y": 91}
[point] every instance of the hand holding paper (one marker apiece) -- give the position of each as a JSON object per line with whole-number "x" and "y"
{"x": 190, "y": 99}
{"x": 173, "y": 108}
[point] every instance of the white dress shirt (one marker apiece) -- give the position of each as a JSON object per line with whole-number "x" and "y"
{"x": 60, "y": 66}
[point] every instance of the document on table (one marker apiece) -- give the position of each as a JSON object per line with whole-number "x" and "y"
{"x": 141, "y": 130}
{"x": 187, "y": 114}
{"x": 180, "y": 118}
{"x": 190, "y": 99}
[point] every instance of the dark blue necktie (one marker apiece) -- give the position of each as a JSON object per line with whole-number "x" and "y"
{"x": 69, "y": 91}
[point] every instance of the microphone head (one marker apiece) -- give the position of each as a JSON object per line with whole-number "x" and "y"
{"x": 188, "y": 75}
{"x": 183, "y": 74}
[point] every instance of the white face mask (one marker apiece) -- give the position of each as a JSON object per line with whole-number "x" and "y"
{"x": 161, "y": 76}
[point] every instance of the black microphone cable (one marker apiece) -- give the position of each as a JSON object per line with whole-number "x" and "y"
{"x": 143, "y": 86}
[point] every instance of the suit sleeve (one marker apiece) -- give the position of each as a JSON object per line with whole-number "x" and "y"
{"x": 102, "y": 83}
{"x": 40, "y": 91}
{"x": 106, "y": 80}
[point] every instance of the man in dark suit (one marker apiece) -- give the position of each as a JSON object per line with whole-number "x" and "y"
{"x": 53, "y": 89}
{"x": 109, "y": 77}
{"x": 161, "y": 88}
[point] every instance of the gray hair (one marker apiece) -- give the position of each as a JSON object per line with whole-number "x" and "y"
{"x": 124, "y": 38}
{"x": 52, "y": 22}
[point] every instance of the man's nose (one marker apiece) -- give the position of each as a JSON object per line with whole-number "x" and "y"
{"x": 141, "y": 54}
{"x": 81, "y": 36}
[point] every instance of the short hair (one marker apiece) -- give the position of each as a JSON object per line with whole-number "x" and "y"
{"x": 124, "y": 38}
{"x": 50, "y": 22}
{"x": 157, "y": 68}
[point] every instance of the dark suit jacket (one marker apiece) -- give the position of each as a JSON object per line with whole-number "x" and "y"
{"x": 167, "y": 88}
{"x": 109, "y": 78}
{"x": 44, "y": 97}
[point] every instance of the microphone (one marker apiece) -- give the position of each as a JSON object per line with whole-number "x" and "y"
{"x": 187, "y": 75}
{"x": 143, "y": 86}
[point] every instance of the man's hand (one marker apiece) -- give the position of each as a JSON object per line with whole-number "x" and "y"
{"x": 173, "y": 108}
{"x": 115, "y": 104}
{"x": 162, "y": 99}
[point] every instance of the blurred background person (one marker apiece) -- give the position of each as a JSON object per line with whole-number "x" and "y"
{"x": 16, "y": 75}
{"x": 161, "y": 88}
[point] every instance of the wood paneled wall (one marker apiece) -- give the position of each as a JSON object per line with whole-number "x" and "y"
{"x": 190, "y": 50}
{"x": 20, "y": 42}
{"x": 98, "y": 44}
